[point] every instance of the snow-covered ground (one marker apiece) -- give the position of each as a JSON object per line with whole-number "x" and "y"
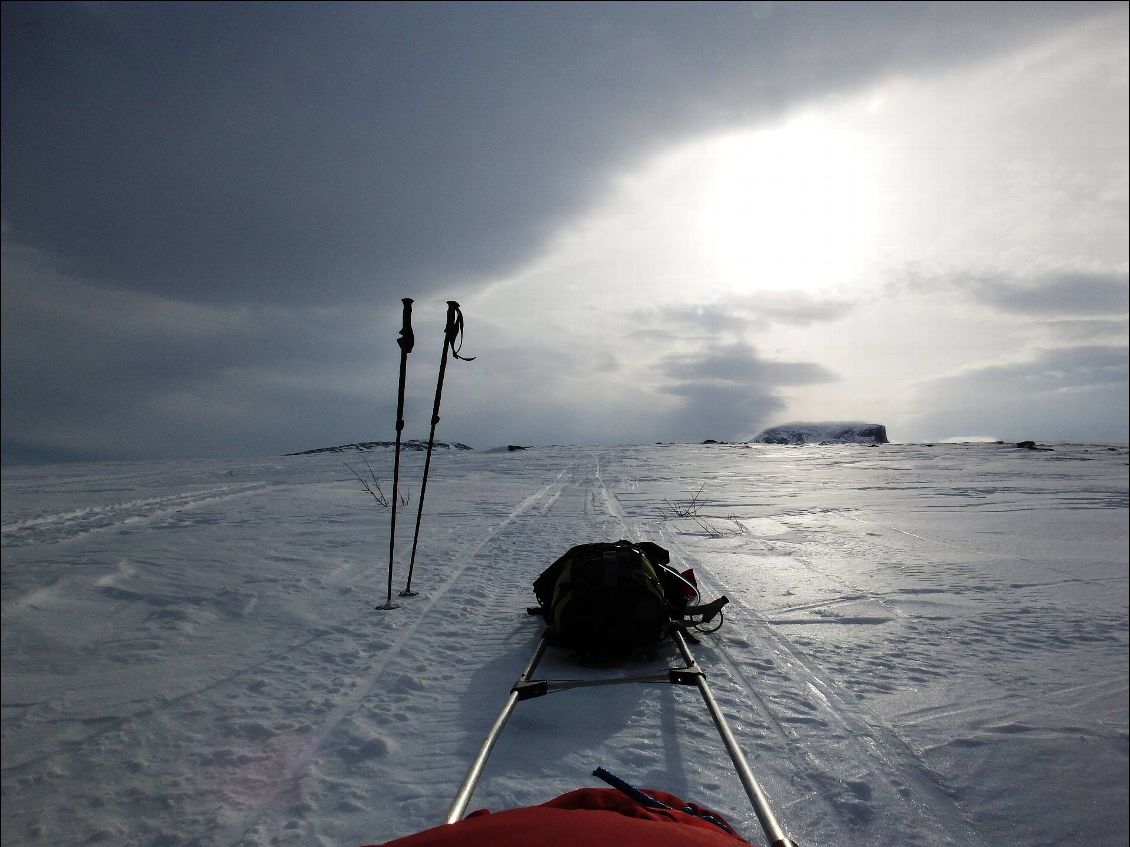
{"x": 927, "y": 645}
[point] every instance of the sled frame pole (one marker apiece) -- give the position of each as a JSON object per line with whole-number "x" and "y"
{"x": 463, "y": 796}
{"x": 691, "y": 674}
{"x": 773, "y": 830}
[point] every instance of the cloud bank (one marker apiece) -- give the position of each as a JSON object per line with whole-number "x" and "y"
{"x": 211, "y": 212}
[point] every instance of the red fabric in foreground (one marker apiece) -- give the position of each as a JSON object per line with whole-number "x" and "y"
{"x": 587, "y": 817}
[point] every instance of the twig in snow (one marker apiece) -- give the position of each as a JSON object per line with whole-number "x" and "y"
{"x": 690, "y": 508}
{"x": 374, "y": 489}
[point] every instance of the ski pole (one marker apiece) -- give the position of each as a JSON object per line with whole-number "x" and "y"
{"x": 452, "y": 339}
{"x": 405, "y": 341}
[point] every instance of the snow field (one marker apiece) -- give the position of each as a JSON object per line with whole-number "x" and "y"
{"x": 925, "y": 645}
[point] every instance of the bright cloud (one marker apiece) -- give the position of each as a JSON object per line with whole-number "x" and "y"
{"x": 862, "y": 238}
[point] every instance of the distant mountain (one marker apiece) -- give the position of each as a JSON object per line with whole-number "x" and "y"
{"x": 824, "y": 433}
{"x": 366, "y": 446}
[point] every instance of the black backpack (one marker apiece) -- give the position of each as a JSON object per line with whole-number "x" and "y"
{"x": 607, "y": 598}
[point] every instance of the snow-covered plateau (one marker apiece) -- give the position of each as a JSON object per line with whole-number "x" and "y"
{"x": 925, "y": 645}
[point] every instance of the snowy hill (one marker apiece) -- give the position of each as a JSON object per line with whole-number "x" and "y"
{"x": 925, "y": 645}
{"x": 823, "y": 433}
{"x": 410, "y": 444}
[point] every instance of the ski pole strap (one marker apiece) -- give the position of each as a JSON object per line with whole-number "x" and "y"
{"x": 651, "y": 802}
{"x": 454, "y": 331}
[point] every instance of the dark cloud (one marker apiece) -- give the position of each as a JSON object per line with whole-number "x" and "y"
{"x": 741, "y": 365}
{"x": 1065, "y": 294}
{"x": 1070, "y": 393}
{"x": 271, "y": 152}
{"x": 729, "y": 391}
{"x": 1062, "y": 294}
{"x": 95, "y": 373}
{"x": 1088, "y": 330}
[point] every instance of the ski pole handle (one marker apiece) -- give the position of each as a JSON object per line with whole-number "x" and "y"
{"x": 407, "y": 338}
{"x": 451, "y": 330}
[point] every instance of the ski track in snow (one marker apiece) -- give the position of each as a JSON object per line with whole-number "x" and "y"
{"x": 234, "y": 685}
{"x": 75, "y": 524}
{"x": 874, "y": 760}
{"x": 877, "y": 768}
{"x": 348, "y": 706}
{"x": 298, "y": 742}
{"x": 874, "y": 768}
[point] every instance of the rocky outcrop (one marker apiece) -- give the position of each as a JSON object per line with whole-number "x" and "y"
{"x": 824, "y": 433}
{"x": 366, "y": 446}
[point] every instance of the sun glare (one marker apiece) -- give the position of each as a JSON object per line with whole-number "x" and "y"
{"x": 793, "y": 206}
{"x": 790, "y": 207}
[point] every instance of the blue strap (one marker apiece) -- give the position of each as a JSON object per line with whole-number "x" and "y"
{"x": 633, "y": 792}
{"x": 651, "y": 802}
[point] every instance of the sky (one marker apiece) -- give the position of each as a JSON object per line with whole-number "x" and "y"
{"x": 663, "y": 221}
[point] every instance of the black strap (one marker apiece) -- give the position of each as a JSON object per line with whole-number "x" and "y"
{"x": 455, "y": 331}
{"x": 707, "y": 610}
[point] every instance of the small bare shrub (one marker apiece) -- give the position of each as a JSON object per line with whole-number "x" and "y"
{"x": 374, "y": 488}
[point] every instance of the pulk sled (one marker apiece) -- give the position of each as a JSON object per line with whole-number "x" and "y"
{"x": 602, "y": 600}
{"x": 405, "y": 341}
{"x": 453, "y": 341}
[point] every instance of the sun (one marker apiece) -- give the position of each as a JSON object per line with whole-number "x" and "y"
{"x": 789, "y": 206}
{"x": 792, "y": 207}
